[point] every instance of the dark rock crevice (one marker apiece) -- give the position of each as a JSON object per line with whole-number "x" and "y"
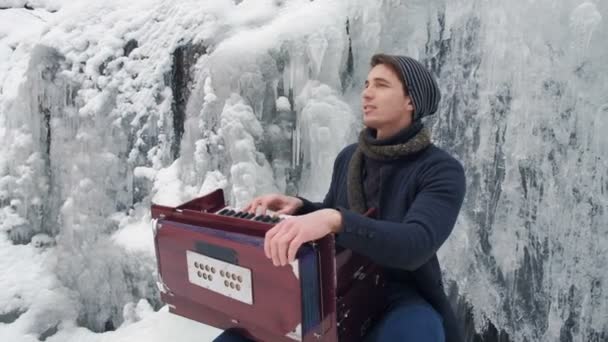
{"x": 346, "y": 76}
{"x": 11, "y": 316}
{"x": 48, "y": 333}
{"x": 464, "y": 312}
{"x": 28, "y": 6}
{"x": 131, "y": 45}
{"x": 181, "y": 77}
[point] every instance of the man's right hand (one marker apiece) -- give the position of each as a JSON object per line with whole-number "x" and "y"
{"x": 281, "y": 204}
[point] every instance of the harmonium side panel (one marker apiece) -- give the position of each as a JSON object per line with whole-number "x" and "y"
{"x": 361, "y": 295}
{"x": 263, "y": 300}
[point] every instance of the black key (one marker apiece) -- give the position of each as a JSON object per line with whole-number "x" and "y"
{"x": 258, "y": 218}
{"x": 240, "y": 214}
{"x": 276, "y": 219}
{"x": 230, "y": 213}
{"x": 266, "y": 219}
{"x": 224, "y": 211}
{"x": 250, "y": 216}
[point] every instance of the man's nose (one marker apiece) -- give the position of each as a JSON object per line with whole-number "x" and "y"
{"x": 367, "y": 93}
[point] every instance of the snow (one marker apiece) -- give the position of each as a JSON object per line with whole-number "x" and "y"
{"x": 114, "y": 95}
{"x": 142, "y": 324}
{"x": 18, "y": 30}
{"x": 271, "y": 103}
{"x": 283, "y": 104}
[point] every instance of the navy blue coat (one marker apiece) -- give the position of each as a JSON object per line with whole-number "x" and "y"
{"x": 420, "y": 198}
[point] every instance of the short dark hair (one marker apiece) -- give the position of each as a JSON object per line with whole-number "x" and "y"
{"x": 391, "y": 63}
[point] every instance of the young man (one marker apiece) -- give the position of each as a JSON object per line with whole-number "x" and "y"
{"x": 417, "y": 188}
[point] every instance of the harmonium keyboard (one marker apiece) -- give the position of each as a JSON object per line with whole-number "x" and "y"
{"x": 212, "y": 269}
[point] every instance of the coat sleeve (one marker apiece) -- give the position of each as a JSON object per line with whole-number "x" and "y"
{"x": 428, "y": 223}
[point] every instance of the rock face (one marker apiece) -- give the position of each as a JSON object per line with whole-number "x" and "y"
{"x": 102, "y": 113}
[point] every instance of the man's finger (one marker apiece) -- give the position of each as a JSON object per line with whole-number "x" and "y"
{"x": 275, "y": 243}
{"x": 286, "y": 210}
{"x": 294, "y": 245}
{"x": 268, "y": 238}
{"x": 274, "y": 249}
{"x": 262, "y": 208}
{"x": 283, "y": 245}
{"x": 247, "y": 207}
{"x": 257, "y": 207}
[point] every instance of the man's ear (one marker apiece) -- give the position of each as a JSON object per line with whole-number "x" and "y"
{"x": 409, "y": 105}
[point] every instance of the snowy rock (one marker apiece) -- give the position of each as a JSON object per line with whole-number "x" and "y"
{"x": 42, "y": 240}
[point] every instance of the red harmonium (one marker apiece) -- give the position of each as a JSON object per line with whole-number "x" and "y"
{"x": 212, "y": 269}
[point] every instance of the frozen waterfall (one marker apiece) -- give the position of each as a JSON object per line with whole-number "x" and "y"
{"x": 108, "y": 106}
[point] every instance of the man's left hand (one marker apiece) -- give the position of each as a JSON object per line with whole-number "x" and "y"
{"x": 284, "y": 239}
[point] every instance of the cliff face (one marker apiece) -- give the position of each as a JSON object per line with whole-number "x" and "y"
{"x": 107, "y": 107}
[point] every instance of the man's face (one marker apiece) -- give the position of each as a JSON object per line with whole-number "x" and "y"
{"x": 385, "y": 106}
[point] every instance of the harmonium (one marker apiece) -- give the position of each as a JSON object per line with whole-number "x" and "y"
{"x": 212, "y": 269}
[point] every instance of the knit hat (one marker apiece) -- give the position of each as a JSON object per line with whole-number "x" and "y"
{"x": 421, "y": 85}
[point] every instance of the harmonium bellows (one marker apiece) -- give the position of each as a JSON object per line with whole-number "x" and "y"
{"x": 212, "y": 269}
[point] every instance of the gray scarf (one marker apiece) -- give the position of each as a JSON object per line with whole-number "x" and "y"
{"x": 366, "y": 147}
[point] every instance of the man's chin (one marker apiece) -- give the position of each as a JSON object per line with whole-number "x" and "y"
{"x": 370, "y": 123}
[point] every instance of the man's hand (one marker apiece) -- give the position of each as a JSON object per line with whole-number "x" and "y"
{"x": 283, "y": 240}
{"x": 281, "y": 204}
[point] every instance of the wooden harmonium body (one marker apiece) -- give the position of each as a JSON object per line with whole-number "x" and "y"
{"x": 212, "y": 269}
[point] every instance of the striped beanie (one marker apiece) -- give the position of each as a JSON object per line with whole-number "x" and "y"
{"x": 420, "y": 84}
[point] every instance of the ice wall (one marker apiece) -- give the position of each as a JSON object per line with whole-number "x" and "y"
{"x": 107, "y": 107}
